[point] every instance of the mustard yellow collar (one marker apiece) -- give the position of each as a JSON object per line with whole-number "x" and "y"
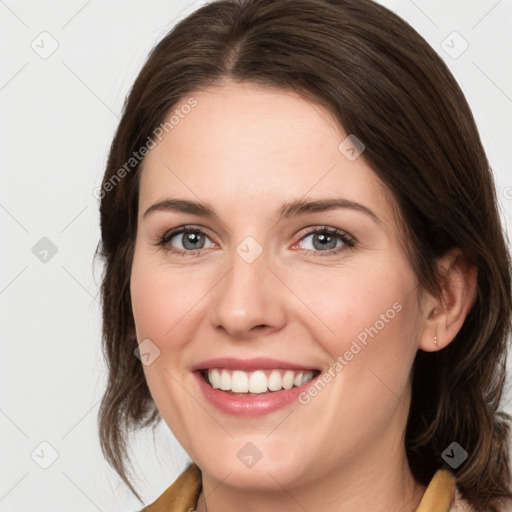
{"x": 439, "y": 494}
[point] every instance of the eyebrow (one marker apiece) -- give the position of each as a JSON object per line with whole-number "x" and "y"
{"x": 287, "y": 210}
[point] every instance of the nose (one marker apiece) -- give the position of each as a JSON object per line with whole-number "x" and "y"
{"x": 249, "y": 299}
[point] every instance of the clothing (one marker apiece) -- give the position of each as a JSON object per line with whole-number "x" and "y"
{"x": 441, "y": 494}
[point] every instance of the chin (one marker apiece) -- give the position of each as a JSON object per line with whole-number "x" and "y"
{"x": 268, "y": 473}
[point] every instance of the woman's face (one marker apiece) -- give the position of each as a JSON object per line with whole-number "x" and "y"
{"x": 251, "y": 279}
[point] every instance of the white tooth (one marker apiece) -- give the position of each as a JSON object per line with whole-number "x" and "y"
{"x": 239, "y": 382}
{"x": 275, "y": 381}
{"x": 225, "y": 380}
{"x": 214, "y": 378}
{"x": 288, "y": 379}
{"x": 307, "y": 376}
{"x": 258, "y": 382}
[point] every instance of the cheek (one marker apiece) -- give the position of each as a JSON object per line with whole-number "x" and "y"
{"x": 160, "y": 312}
{"x": 367, "y": 314}
{"x": 162, "y": 299}
{"x": 149, "y": 304}
{"x": 356, "y": 300}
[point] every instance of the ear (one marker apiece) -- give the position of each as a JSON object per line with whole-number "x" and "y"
{"x": 444, "y": 316}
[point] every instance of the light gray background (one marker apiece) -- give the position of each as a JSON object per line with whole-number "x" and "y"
{"x": 59, "y": 115}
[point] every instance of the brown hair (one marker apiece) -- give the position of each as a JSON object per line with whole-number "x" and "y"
{"x": 384, "y": 83}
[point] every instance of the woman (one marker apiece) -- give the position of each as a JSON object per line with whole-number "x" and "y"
{"x": 306, "y": 275}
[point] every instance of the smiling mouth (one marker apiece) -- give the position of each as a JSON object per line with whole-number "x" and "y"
{"x": 239, "y": 382}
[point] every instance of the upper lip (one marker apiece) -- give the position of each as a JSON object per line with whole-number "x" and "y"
{"x": 257, "y": 363}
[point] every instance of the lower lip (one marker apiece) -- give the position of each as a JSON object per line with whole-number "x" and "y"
{"x": 256, "y": 405}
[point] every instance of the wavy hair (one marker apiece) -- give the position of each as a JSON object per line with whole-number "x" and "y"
{"x": 382, "y": 81}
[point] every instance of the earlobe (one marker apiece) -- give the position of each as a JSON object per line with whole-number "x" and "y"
{"x": 445, "y": 316}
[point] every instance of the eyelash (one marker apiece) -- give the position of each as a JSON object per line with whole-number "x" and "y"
{"x": 349, "y": 242}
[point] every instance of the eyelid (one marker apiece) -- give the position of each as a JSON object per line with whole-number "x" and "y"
{"x": 322, "y": 228}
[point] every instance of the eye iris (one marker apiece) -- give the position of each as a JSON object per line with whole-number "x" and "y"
{"x": 192, "y": 238}
{"x": 324, "y": 239}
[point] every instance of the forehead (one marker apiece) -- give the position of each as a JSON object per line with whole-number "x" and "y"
{"x": 242, "y": 118}
{"x": 255, "y": 145}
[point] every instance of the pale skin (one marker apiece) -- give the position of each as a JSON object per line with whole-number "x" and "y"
{"x": 245, "y": 150}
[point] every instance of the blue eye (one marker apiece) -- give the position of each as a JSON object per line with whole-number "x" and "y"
{"x": 325, "y": 241}
{"x": 190, "y": 239}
